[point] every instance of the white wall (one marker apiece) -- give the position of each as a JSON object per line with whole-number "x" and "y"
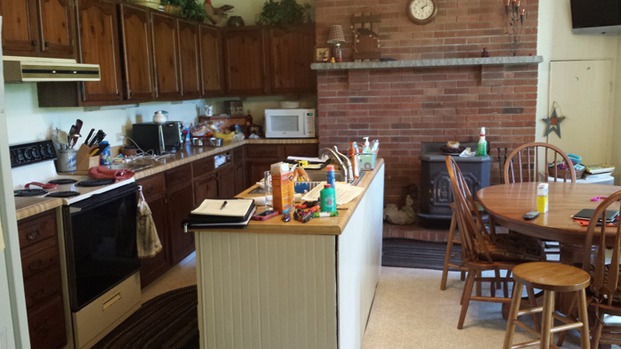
{"x": 556, "y": 42}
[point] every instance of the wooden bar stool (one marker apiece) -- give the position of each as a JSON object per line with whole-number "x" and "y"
{"x": 551, "y": 278}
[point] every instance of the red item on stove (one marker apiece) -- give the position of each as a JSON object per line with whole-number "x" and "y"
{"x": 41, "y": 185}
{"x": 103, "y": 172}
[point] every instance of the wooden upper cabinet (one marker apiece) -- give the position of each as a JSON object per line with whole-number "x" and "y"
{"x": 189, "y": 58}
{"x": 211, "y": 60}
{"x": 137, "y": 54}
{"x": 165, "y": 56}
{"x": 291, "y": 52}
{"x": 42, "y": 28}
{"x": 244, "y": 60}
{"x": 99, "y": 44}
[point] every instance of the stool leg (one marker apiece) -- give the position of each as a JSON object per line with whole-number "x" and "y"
{"x": 584, "y": 317}
{"x": 548, "y": 310}
{"x": 515, "y": 307}
{"x": 447, "y": 254}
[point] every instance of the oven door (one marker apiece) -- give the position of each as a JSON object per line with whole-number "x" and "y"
{"x": 100, "y": 240}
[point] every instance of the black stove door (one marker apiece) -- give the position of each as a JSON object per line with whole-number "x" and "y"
{"x": 100, "y": 238}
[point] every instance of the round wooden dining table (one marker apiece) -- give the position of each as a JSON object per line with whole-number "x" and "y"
{"x": 507, "y": 203}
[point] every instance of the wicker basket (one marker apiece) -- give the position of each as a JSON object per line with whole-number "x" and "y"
{"x": 561, "y": 173}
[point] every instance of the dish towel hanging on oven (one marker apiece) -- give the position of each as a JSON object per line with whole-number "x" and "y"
{"x": 147, "y": 240}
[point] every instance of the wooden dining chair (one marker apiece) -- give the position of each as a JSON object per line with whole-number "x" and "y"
{"x": 601, "y": 258}
{"x": 484, "y": 252}
{"x": 530, "y": 162}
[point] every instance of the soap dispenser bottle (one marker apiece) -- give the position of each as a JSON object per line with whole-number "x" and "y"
{"x": 482, "y": 144}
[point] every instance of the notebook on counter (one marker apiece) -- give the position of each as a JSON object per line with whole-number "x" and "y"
{"x": 230, "y": 213}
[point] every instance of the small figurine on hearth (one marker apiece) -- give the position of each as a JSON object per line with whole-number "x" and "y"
{"x": 402, "y": 216}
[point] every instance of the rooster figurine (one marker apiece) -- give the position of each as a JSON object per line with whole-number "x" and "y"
{"x": 216, "y": 14}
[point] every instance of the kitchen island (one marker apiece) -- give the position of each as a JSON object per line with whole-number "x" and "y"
{"x": 292, "y": 285}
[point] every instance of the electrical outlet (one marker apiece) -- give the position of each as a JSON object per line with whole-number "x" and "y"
{"x": 120, "y": 137}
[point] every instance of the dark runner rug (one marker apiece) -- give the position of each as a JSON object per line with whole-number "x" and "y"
{"x": 409, "y": 253}
{"x": 170, "y": 321}
{"x": 166, "y": 321}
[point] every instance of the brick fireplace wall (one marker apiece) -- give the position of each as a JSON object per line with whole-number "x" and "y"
{"x": 405, "y": 107}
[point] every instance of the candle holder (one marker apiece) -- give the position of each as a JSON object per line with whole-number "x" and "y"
{"x": 515, "y": 21}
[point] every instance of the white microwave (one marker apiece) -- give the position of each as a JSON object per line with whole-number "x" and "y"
{"x": 290, "y": 123}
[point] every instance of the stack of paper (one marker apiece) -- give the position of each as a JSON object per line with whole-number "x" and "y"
{"x": 345, "y": 192}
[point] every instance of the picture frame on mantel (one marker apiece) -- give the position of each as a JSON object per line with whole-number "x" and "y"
{"x": 322, "y": 54}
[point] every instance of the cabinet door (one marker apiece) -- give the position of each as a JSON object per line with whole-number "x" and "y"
{"x": 180, "y": 199}
{"x": 137, "y": 55}
{"x": 190, "y": 64}
{"x": 99, "y": 44}
{"x": 205, "y": 187}
{"x": 226, "y": 182}
{"x": 244, "y": 60}
{"x": 19, "y": 27}
{"x": 154, "y": 191}
{"x": 56, "y": 20}
{"x": 211, "y": 59}
{"x": 165, "y": 56}
{"x": 291, "y": 54}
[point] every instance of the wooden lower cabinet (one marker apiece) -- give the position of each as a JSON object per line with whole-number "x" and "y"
{"x": 180, "y": 195}
{"x": 38, "y": 237}
{"x": 261, "y": 156}
{"x": 154, "y": 191}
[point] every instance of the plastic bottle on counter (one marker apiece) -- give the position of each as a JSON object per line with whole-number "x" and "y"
{"x": 331, "y": 176}
{"x": 366, "y": 148}
{"x": 355, "y": 159}
{"x": 482, "y": 144}
{"x": 327, "y": 197}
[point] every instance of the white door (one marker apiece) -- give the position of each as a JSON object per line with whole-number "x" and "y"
{"x": 583, "y": 92}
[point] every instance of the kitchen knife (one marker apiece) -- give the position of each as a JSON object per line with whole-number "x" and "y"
{"x": 76, "y": 135}
{"x": 90, "y": 134}
{"x": 94, "y": 140}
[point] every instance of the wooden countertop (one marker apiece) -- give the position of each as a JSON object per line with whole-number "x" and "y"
{"x": 26, "y": 207}
{"x": 316, "y": 226}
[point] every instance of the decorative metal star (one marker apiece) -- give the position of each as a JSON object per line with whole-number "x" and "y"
{"x": 553, "y": 123}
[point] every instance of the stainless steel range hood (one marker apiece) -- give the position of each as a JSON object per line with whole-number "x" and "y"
{"x": 35, "y": 69}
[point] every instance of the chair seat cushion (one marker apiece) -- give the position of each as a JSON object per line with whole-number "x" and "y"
{"x": 511, "y": 248}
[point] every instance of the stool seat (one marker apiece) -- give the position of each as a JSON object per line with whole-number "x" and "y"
{"x": 552, "y": 278}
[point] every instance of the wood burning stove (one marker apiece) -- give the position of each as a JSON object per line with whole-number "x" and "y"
{"x": 435, "y": 185}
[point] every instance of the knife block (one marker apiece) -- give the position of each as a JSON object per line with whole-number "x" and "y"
{"x": 84, "y": 161}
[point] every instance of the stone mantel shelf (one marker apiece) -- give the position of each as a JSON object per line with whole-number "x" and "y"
{"x": 429, "y": 63}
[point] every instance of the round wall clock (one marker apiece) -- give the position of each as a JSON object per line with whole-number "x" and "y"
{"x": 421, "y": 11}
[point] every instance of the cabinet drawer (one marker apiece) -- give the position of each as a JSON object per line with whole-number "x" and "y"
{"x": 37, "y": 228}
{"x": 203, "y": 166}
{"x": 181, "y": 175}
{"x": 47, "y": 325}
{"x": 42, "y": 286}
{"x": 40, "y": 258}
{"x": 152, "y": 186}
{"x": 265, "y": 151}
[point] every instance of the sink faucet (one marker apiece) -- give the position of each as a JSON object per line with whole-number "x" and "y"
{"x": 336, "y": 155}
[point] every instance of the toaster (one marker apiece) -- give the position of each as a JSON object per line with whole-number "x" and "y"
{"x": 158, "y": 137}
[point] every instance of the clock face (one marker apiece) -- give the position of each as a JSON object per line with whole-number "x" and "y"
{"x": 422, "y": 11}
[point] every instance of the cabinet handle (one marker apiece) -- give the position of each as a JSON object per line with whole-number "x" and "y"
{"x": 33, "y": 43}
{"x": 129, "y": 93}
{"x": 33, "y": 235}
{"x": 37, "y": 265}
{"x": 46, "y": 44}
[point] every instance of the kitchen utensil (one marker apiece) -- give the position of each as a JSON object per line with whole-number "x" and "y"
{"x": 98, "y": 138}
{"x": 41, "y": 185}
{"x": 77, "y": 128}
{"x": 90, "y": 134}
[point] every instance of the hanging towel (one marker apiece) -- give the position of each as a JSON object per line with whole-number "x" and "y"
{"x": 147, "y": 240}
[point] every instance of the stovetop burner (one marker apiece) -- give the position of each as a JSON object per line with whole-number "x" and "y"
{"x": 63, "y": 181}
{"x": 29, "y": 192}
{"x": 63, "y": 194}
{"x": 95, "y": 182}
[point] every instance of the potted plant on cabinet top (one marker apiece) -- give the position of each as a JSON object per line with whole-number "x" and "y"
{"x": 285, "y": 12}
{"x": 189, "y": 9}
